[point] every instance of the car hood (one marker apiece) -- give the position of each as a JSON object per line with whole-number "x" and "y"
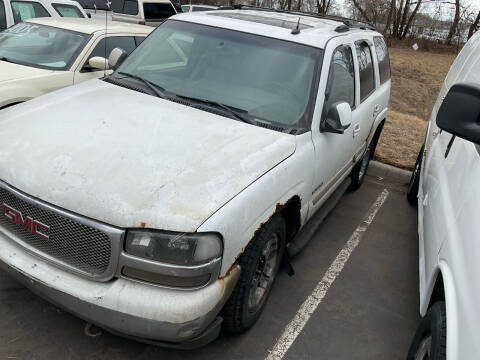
{"x": 10, "y": 71}
{"x": 130, "y": 159}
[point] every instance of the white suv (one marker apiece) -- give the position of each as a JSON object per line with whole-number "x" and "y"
{"x": 158, "y": 202}
{"x": 446, "y": 178}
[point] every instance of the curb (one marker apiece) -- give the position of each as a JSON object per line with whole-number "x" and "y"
{"x": 382, "y": 170}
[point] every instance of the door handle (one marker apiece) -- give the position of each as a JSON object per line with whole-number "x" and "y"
{"x": 356, "y": 129}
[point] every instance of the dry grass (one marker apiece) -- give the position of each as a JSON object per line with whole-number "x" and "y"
{"x": 417, "y": 77}
{"x": 401, "y": 140}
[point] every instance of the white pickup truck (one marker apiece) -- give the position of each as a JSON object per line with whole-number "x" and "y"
{"x": 158, "y": 202}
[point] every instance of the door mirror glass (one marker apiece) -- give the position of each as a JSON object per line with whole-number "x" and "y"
{"x": 117, "y": 56}
{"x": 339, "y": 118}
{"x": 459, "y": 113}
{"x": 97, "y": 63}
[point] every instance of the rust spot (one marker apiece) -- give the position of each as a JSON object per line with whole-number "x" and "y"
{"x": 143, "y": 224}
{"x": 291, "y": 212}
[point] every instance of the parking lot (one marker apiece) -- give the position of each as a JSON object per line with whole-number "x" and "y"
{"x": 367, "y": 310}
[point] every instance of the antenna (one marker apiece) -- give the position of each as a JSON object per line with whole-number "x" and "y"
{"x": 108, "y": 3}
{"x": 296, "y": 31}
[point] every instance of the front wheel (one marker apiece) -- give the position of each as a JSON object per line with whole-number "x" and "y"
{"x": 259, "y": 266}
{"x": 430, "y": 340}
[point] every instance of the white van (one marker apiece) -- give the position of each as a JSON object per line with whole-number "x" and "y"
{"x": 15, "y": 11}
{"x": 446, "y": 179}
{"x": 144, "y": 12}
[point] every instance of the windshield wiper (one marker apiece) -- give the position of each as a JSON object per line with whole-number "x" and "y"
{"x": 3, "y": 58}
{"x": 157, "y": 89}
{"x": 238, "y": 114}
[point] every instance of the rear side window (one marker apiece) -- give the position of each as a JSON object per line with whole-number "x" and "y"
{"x": 128, "y": 7}
{"x": 154, "y": 11}
{"x": 365, "y": 67}
{"x": 341, "y": 80}
{"x": 67, "y": 11}
{"x": 3, "y": 16}
{"x": 23, "y": 10}
{"x": 383, "y": 58}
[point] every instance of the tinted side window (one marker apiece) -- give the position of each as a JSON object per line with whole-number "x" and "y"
{"x": 367, "y": 75}
{"x": 117, "y": 6}
{"x": 139, "y": 39}
{"x": 383, "y": 58}
{"x": 126, "y": 43}
{"x": 3, "y": 16}
{"x": 158, "y": 11}
{"x": 341, "y": 80}
{"x": 67, "y": 10}
{"x": 130, "y": 7}
{"x": 23, "y": 10}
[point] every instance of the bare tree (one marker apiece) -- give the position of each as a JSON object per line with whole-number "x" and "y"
{"x": 474, "y": 26}
{"x": 453, "y": 27}
{"x": 407, "y": 26}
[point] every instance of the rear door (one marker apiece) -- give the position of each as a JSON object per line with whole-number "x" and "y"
{"x": 368, "y": 107}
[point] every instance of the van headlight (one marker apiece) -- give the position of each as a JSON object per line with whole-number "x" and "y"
{"x": 172, "y": 259}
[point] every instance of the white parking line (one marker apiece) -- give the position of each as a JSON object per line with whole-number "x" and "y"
{"x": 295, "y": 327}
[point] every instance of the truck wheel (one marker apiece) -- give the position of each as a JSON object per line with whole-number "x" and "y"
{"x": 414, "y": 183}
{"x": 259, "y": 265}
{"x": 430, "y": 340}
{"x": 360, "y": 169}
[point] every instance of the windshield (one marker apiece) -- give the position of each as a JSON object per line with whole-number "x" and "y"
{"x": 269, "y": 80}
{"x": 40, "y": 46}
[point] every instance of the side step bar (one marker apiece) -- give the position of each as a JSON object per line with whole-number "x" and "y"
{"x": 307, "y": 232}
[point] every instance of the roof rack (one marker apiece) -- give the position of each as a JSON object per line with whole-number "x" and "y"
{"x": 347, "y": 23}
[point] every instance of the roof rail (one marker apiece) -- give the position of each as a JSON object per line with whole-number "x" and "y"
{"x": 347, "y": 23}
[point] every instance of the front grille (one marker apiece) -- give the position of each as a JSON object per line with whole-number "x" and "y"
{"x": 69, "y": 242}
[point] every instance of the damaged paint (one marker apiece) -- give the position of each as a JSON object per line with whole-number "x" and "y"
{"x": 171, "y": 168}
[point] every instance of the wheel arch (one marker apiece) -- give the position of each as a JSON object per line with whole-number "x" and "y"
{"x": 444, "y": 290}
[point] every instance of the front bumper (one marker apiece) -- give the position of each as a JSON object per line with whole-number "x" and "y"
{"x": 168, "y": 317}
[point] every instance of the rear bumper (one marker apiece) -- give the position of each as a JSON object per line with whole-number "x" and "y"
{"x": 168, "y": 317}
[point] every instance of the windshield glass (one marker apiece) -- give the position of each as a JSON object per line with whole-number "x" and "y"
{"x": 270, "y": 80}
{"x": 40, "y": 46}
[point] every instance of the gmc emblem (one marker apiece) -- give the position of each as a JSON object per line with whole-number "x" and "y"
{"x": 32, "y": 226}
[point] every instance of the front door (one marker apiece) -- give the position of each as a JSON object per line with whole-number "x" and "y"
{"x": 334, "y": 152}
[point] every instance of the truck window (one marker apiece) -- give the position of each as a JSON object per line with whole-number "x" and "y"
{"x": 155, "y": 11}
{"x": 383, "y": 58}
{"x": 365, "y": 64}
{"x": 65, "y": 10}
{"x": 23, "y": 10}
{"x": 341, "y": 80}
{"x": 3, "y": 16}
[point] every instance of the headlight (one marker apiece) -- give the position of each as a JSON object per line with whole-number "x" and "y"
{"x": 172, "y": 259}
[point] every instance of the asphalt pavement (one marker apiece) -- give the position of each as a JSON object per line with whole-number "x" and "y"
{"x": 365, "y": 309}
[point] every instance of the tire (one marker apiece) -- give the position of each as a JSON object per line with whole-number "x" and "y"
{"x": 430, "y": 340}
{"x": 360, "y": 169}
{"x": 248, "y": 299}
{"x": 414, "y": 183}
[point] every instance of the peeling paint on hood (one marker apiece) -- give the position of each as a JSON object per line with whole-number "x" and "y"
{"x": 126, "y": 158}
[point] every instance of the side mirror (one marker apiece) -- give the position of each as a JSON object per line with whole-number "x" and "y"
{"x": 459, "y": 113}
{"x": 117, "y": 56}
{"x": 98, "y": 63}
{"x": 339, "y": 118}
